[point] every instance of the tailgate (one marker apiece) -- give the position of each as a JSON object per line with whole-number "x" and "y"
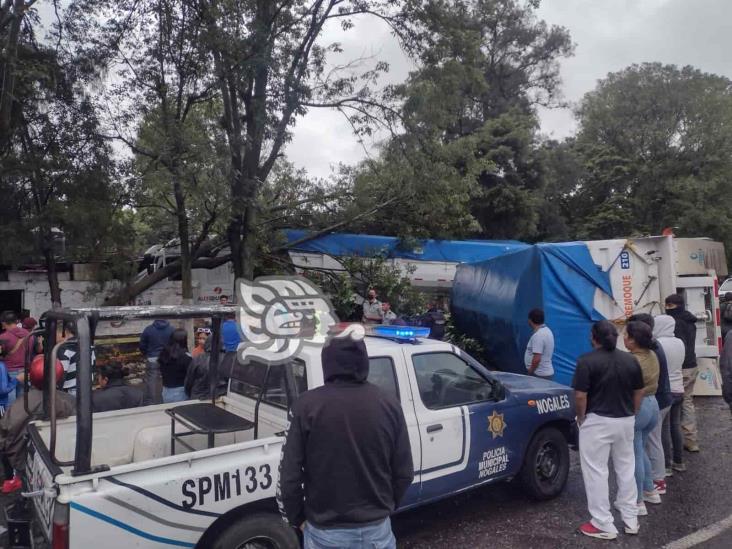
{"x": 40, "y": 474}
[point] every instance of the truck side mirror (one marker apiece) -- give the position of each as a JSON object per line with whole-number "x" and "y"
{"x": 499, "y": 391}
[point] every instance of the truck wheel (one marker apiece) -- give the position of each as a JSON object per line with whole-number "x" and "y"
{"x": 546, "y": 464}
{"x": 259, "y": 531}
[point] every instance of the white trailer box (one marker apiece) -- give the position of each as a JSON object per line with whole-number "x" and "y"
{"x": 643, "y": 271}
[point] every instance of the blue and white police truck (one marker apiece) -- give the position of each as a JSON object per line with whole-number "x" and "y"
{"x": 203, "y": 473}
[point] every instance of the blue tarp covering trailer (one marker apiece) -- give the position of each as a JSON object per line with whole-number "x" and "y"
{"x": 364, "y": 245}
{"x": 491, "y": 300}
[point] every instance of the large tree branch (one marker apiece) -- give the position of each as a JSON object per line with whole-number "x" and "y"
{"x": 335, "y": 226}
{"x": 306, "y": 201}
{"x": 293, "y": 81}
{"x": 127, "y": 293}
{"x": 7, "y": 78}
{"x": 203, "y": 235}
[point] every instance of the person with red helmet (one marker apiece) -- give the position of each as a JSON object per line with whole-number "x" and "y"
{"x": 13, "y": 442}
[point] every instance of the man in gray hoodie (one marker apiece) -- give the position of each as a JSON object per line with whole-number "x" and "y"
{"x": 153, "y": 339}
{"x": 673, "y": 440}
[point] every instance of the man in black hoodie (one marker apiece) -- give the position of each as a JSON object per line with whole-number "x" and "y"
{"x": 686, "y": 331}
{"x": 346, "y": 462}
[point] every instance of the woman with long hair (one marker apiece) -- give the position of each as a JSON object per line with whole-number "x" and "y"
{"x": 174, "y": 361}
{"x": 638, "y": 338}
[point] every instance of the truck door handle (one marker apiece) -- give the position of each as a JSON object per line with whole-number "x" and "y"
{"x": 434, "y": 428}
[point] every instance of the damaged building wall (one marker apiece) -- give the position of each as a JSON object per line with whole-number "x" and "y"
{"x": 29, "y": 290}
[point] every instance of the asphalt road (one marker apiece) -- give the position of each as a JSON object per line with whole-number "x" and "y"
{"x": 500, "y": 516}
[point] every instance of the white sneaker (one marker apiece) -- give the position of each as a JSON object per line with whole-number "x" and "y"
{"x": 642, "y": 511}
{"x": 652, "y": 497}
{"x": 632, "y": 531}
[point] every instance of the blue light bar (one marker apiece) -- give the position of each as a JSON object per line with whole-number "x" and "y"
{"x": 401, "y": 332}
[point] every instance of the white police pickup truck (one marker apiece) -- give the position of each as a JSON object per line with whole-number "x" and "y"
{"x": 204, "y": 474}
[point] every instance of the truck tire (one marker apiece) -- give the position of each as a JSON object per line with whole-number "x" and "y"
{"x": 546, "y": 464}
{"x": 258, "y": 531}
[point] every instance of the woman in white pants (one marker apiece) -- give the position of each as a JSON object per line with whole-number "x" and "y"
{"x": 608, "y": 386}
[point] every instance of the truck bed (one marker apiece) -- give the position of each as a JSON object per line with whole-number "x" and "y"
{"x": 142, "y": 435}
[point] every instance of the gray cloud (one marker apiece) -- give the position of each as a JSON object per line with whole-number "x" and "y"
{"x": 609, "y": 35}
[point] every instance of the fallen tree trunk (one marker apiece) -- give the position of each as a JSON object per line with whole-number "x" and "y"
{"x": 129, "y": 292}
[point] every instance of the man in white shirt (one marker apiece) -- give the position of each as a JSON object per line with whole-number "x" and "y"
{"x": 539, "y": 351}
{"x": 388, "y": 316}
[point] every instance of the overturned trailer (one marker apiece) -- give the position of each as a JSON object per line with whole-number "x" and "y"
{"x": 579, "y": 283}
{"x": 429, "y": 264}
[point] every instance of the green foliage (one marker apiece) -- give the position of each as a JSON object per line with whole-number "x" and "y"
{"x": 424, "y": 194}
{"x": 655, "y": 151}
{"x": 468, "y": 163}
{"x": 60, "y": 201}
{"x": 201, "y": 171}
{"x": 470, "y": 345}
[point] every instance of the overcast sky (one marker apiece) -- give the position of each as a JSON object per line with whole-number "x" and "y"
{"x": 609, "y": 35}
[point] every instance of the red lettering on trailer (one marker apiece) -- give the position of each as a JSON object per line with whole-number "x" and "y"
{"x": 628, "y": 295}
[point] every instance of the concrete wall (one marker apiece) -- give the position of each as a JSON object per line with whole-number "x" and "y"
{"x": 208, "y": 285}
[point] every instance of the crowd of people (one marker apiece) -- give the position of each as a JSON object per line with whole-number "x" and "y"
{"x": 636, "y": 407}
{"x": 380, "y": 312}
{"x": 172, "y": 374}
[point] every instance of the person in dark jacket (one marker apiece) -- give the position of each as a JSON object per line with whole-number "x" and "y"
{"x": 152, "y": 341}
{"x": 654, "y": 445}
{"x": 686, "y": 331}
{"x": 197, "y": 383}
{"x": 725, "y": 308}
{"x": 174, "y": 361}
{"x": 346, "y": 462}
{"x": 113, "y": 392}
{"x": 725, "y": 368}
{"x": 435, "y": 320}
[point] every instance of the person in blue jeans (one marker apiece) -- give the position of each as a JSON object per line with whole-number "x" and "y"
{"x": 638, "y": 338}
